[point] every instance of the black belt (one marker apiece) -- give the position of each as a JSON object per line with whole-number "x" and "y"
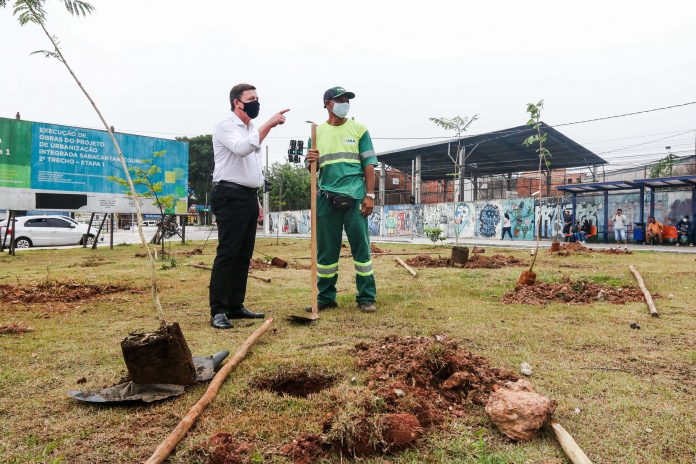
{"x": 232, "y": 185}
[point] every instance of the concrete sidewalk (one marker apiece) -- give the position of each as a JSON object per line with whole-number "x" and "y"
{"x": 497, "y": 243}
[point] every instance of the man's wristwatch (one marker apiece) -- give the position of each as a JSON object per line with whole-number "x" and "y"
{"x": 371, "y": 195}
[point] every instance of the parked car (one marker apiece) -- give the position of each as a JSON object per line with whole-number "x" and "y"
{"x": 48, "y": 231}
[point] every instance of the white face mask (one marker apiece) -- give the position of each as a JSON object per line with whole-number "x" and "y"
{"x": 340, "y": 109}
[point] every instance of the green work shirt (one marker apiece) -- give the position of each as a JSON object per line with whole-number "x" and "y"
{"x": 344, "y": 151}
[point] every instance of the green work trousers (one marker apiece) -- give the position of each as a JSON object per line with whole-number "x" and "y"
{"x": 330, "y": 224}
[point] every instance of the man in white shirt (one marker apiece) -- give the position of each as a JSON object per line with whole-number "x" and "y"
{"x": 620, "y": 227}
{"x": 237, "y": 177}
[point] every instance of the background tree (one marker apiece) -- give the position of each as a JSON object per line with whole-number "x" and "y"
{"x": 534, "y": 110}
{"x": 459, "y": 125}
{"x": 34, "y": 12}
{"x": 201, "y": 165}
{"x": 664, "y": 167}
{"x": 154, "y": 190}
{"x": 295, "y": 180}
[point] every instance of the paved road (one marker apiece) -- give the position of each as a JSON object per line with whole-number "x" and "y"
{"x": 201, "y": 233}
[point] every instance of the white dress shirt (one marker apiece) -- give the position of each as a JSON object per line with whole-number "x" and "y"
{"x": 237, "y": 153}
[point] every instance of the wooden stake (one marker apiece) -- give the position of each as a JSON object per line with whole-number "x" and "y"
{"x": 571, "y": 448}
{"x": 406, "y": 266}
{"x": 313, "y": 204}
{"x": 646, "y": 293}
{"x": 208, "y": 268}
{"x": 167, "y": 446}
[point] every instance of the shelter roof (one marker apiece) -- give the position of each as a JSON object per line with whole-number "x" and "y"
{"x": 492, "y": 153}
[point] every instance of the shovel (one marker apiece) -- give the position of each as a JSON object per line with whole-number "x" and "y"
{"x": 315, "y": 291}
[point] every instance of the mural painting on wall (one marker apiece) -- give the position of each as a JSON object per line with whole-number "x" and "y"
{"x": 374, "y": 220}
{"x": 417, "y": 220}
{"x": 489, "y": 219}
{"x": 587, "y": 212}
{"x": 521, "y": 212}
{"x": 397, "y": 220}
{"x": 463, "y": 220}
{"x": 438, "y": 215}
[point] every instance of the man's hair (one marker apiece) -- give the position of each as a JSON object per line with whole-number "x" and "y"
{"x": 237, "y": 91}
{"x": 619, "y": 210}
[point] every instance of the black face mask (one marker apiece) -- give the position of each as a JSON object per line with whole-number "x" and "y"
{"x": 252, "y": 108}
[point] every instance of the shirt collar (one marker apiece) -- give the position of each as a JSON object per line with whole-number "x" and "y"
{"x": 239, "y": 122}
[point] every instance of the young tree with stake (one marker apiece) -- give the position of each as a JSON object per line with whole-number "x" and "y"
{"x": 34, "y": 12}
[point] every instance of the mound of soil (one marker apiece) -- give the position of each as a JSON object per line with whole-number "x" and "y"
{"x": 572, "y": 292}
{"x": 476, "y": 261}
{"x": 428, "y": 261}
{"x": 225, "y": 449}
{"x": 493, "y": 262}
{"x": 305, "y": 449}
{"x": 375, "y": 249}
{"x": 258, "y": 264}
{"x": 568, "y": 249}
{"x": 92, "y": 261}
{"x": 294, "y": 382}
{"x": 194, "y": 252}
{"x": 431, "y": 368}
{"x": 615, "y": 251}
{"x": 58, "y": 292}
{"x": 14, "y": 329}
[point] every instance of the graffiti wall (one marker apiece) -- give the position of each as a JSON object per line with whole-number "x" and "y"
{"x": 484, "y": 219}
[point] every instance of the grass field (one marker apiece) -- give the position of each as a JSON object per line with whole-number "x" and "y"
{"x": 626, "y": 396}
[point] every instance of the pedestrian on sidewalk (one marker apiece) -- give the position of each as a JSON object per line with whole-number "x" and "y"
{"x": 507, "y": 227}
{"x": 236, "y": 179}
{"x": 345, "y": 199}
{"x": 620, "y": 221}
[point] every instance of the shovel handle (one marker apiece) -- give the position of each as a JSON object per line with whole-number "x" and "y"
{"x": 313, "y": 171}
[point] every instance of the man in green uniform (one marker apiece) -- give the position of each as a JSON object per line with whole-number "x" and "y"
{"x": 345, "y": 199}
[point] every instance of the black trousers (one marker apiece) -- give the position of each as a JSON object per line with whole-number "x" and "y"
{"x": 236, "y": 211}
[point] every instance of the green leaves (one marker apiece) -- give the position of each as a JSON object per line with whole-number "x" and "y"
{"x": 458, "y": 124}
{"x": 34, "y": 11}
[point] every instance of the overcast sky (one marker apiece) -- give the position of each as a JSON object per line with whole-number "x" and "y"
{"x": 165, "y": 68}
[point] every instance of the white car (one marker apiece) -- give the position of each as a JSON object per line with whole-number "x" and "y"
{"x": 48, "y": 231}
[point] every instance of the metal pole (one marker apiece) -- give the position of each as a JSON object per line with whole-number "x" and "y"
{"x": 3, "y": 239}
{"x": 12, "y": 234}
{"x": 606, "y": 216}
{"x": 111, "y": 231}
{"x": 642, "y": 207}
{"x": 184, "y": 220}
{"x": 574, "y": 206}
{"x": 462, "y": 171}
{"x": 266, "y": 199}
{"x": 96, "y": 238}
{"x": 413, "y": 178}
{"x": 89, "y": 227}
{"x": 652, "y": 202}
{"x": 418, "y": 180}
{"x": 382, "y": 182}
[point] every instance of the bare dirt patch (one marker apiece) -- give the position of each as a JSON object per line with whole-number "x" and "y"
{"x": 297, "y": 382}
{"x": 54, "y": 291}
{"x": 375, "y": 249}
{"x": 305, "y": 449}
{"x": 13, "y": 329}
{"x": 575, "y": 248}
{"x": 572, "y": 292}
{"x": 258, "y": 264}
{"x": 92, "y": 261}
{"x": 476, "y": 261}
{"x": 224, "y": 448}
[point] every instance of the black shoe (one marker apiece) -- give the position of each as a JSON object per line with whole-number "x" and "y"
{"x": 244, "y": 313}
{"x": 220, "y": 321}
{"x": 323, "y": 306}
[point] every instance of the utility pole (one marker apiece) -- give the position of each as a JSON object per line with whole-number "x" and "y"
{"x": 462, "y": 171}
{"x": 266, "y": 198}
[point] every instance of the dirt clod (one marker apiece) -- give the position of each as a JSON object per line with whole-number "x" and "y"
{"x": 13, "y": 328}
{"x": 375, "y": 249}
{"x": 298, "y": 382}
{"x": 572, "y": 292}
{"x": 54, "y": 291}
{"x": 526, "y": 279}
{"x": 305, "y": 449}
{"x": 225, "y": 449}
{"x": 518, "y": 411}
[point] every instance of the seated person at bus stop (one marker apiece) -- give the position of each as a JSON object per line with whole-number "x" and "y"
{"x": 654, "y": 230}
{"x": 683, "y": 227}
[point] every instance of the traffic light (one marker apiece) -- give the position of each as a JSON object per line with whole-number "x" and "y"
{"x": 267, "y": 186}
{"x": 292, "y": 151}
{"x": 300, "y": 150}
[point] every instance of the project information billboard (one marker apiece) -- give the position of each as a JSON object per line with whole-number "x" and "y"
{"x": 48, "y": 166}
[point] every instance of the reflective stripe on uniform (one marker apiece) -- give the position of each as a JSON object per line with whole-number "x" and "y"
{"x": 367, "y": 154}
{"x": 326, "y": 271}
{"x": 363, "y": 269}
{"x": 340, "y": 157}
